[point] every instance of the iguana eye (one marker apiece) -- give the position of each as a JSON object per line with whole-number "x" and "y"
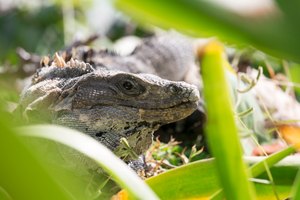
{"x": 127, "y": 85}
{"x": 131, "y": 87}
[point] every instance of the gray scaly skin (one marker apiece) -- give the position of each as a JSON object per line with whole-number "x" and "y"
{"x": 113, "y": 99}
{"x": 169, "y": 56}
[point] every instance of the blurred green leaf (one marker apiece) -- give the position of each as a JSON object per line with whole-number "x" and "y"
{"x": 296, "y": 192}
{"x": 295, "y": 76}
{"x": 21, "y": 174}
{"x": 42, "y": 28}
{"x": 119, "y": 171}
{"x": 259, "y": 167}
{"x": 274, "y": 33}
{"x": 4, "y": 195}
{"x": 221, "y": 130}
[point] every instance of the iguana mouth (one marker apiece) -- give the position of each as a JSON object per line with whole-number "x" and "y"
{"x": 157, "y": 115}
{"x": 189, "y": 104}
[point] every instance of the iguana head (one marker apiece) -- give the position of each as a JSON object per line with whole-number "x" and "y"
{"x": 109, "y": 105}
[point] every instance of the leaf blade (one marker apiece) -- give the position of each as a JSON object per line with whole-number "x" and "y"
{"x": 121, "y": 173}
{"x": 221, "y": 130}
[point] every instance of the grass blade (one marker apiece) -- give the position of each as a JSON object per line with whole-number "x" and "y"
{"x": 296, "y": 192}
{"x": 221, "y": 130}
{"x": 259, "y": 167}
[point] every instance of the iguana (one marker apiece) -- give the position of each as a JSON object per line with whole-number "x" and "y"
{"x": 109, "y": 96}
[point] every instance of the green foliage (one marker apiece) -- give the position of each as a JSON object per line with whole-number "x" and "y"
{"x": 221, "y": 130}
{"x": 116, "y": 168}
{"x": 24, "y": 176}
{"x": 260, "y": 167}
{"x": 200, "y": 180}
{"x": 202, "y": 18}
{"x": 296, "y": 192}
{"x": 195, "y": 180}
{"x": 172, "y": 154}
{"x": 39, "y": 31}
{"x": 295, "y": 77}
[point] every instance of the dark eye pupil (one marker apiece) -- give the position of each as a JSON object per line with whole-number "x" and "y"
{"x": 127, "y": 85}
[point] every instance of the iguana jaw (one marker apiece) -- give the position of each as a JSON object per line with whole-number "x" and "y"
{"x": 168, "y": 115}
{"x": 108, "y": 124}
{"x": 159, "y": 115}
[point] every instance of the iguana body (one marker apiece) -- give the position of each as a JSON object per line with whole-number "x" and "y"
{"x": 116, "y": 96}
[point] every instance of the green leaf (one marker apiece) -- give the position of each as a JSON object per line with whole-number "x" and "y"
{"x": 269, "y": 161}
{"x": 203, "y": 18}
{"x": 4, "y": 195}
{"x": 296, "y": 192}
{"x": 221, "y": 130}
{"x": 294, "y": 72}
{"x": 84, "y": 144}
{"x": 193, "y": 180}
{"x": 199, "y": 180}
{"x": 22, "y": 176}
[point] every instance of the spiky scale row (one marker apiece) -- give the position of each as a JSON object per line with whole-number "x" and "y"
{"x": 61, "y": 69}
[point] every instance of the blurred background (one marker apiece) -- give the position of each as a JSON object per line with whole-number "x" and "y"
{"x": 30, "y": 28}
{"x": 46, "y": 26}
{"x": 36, "y": 28}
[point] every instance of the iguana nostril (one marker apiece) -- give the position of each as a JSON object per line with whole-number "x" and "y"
{"x": 194, "y": 95}
{"x": 175, "y": 89}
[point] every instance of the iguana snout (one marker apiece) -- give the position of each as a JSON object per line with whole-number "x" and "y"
{"x": 158, "y": 100}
